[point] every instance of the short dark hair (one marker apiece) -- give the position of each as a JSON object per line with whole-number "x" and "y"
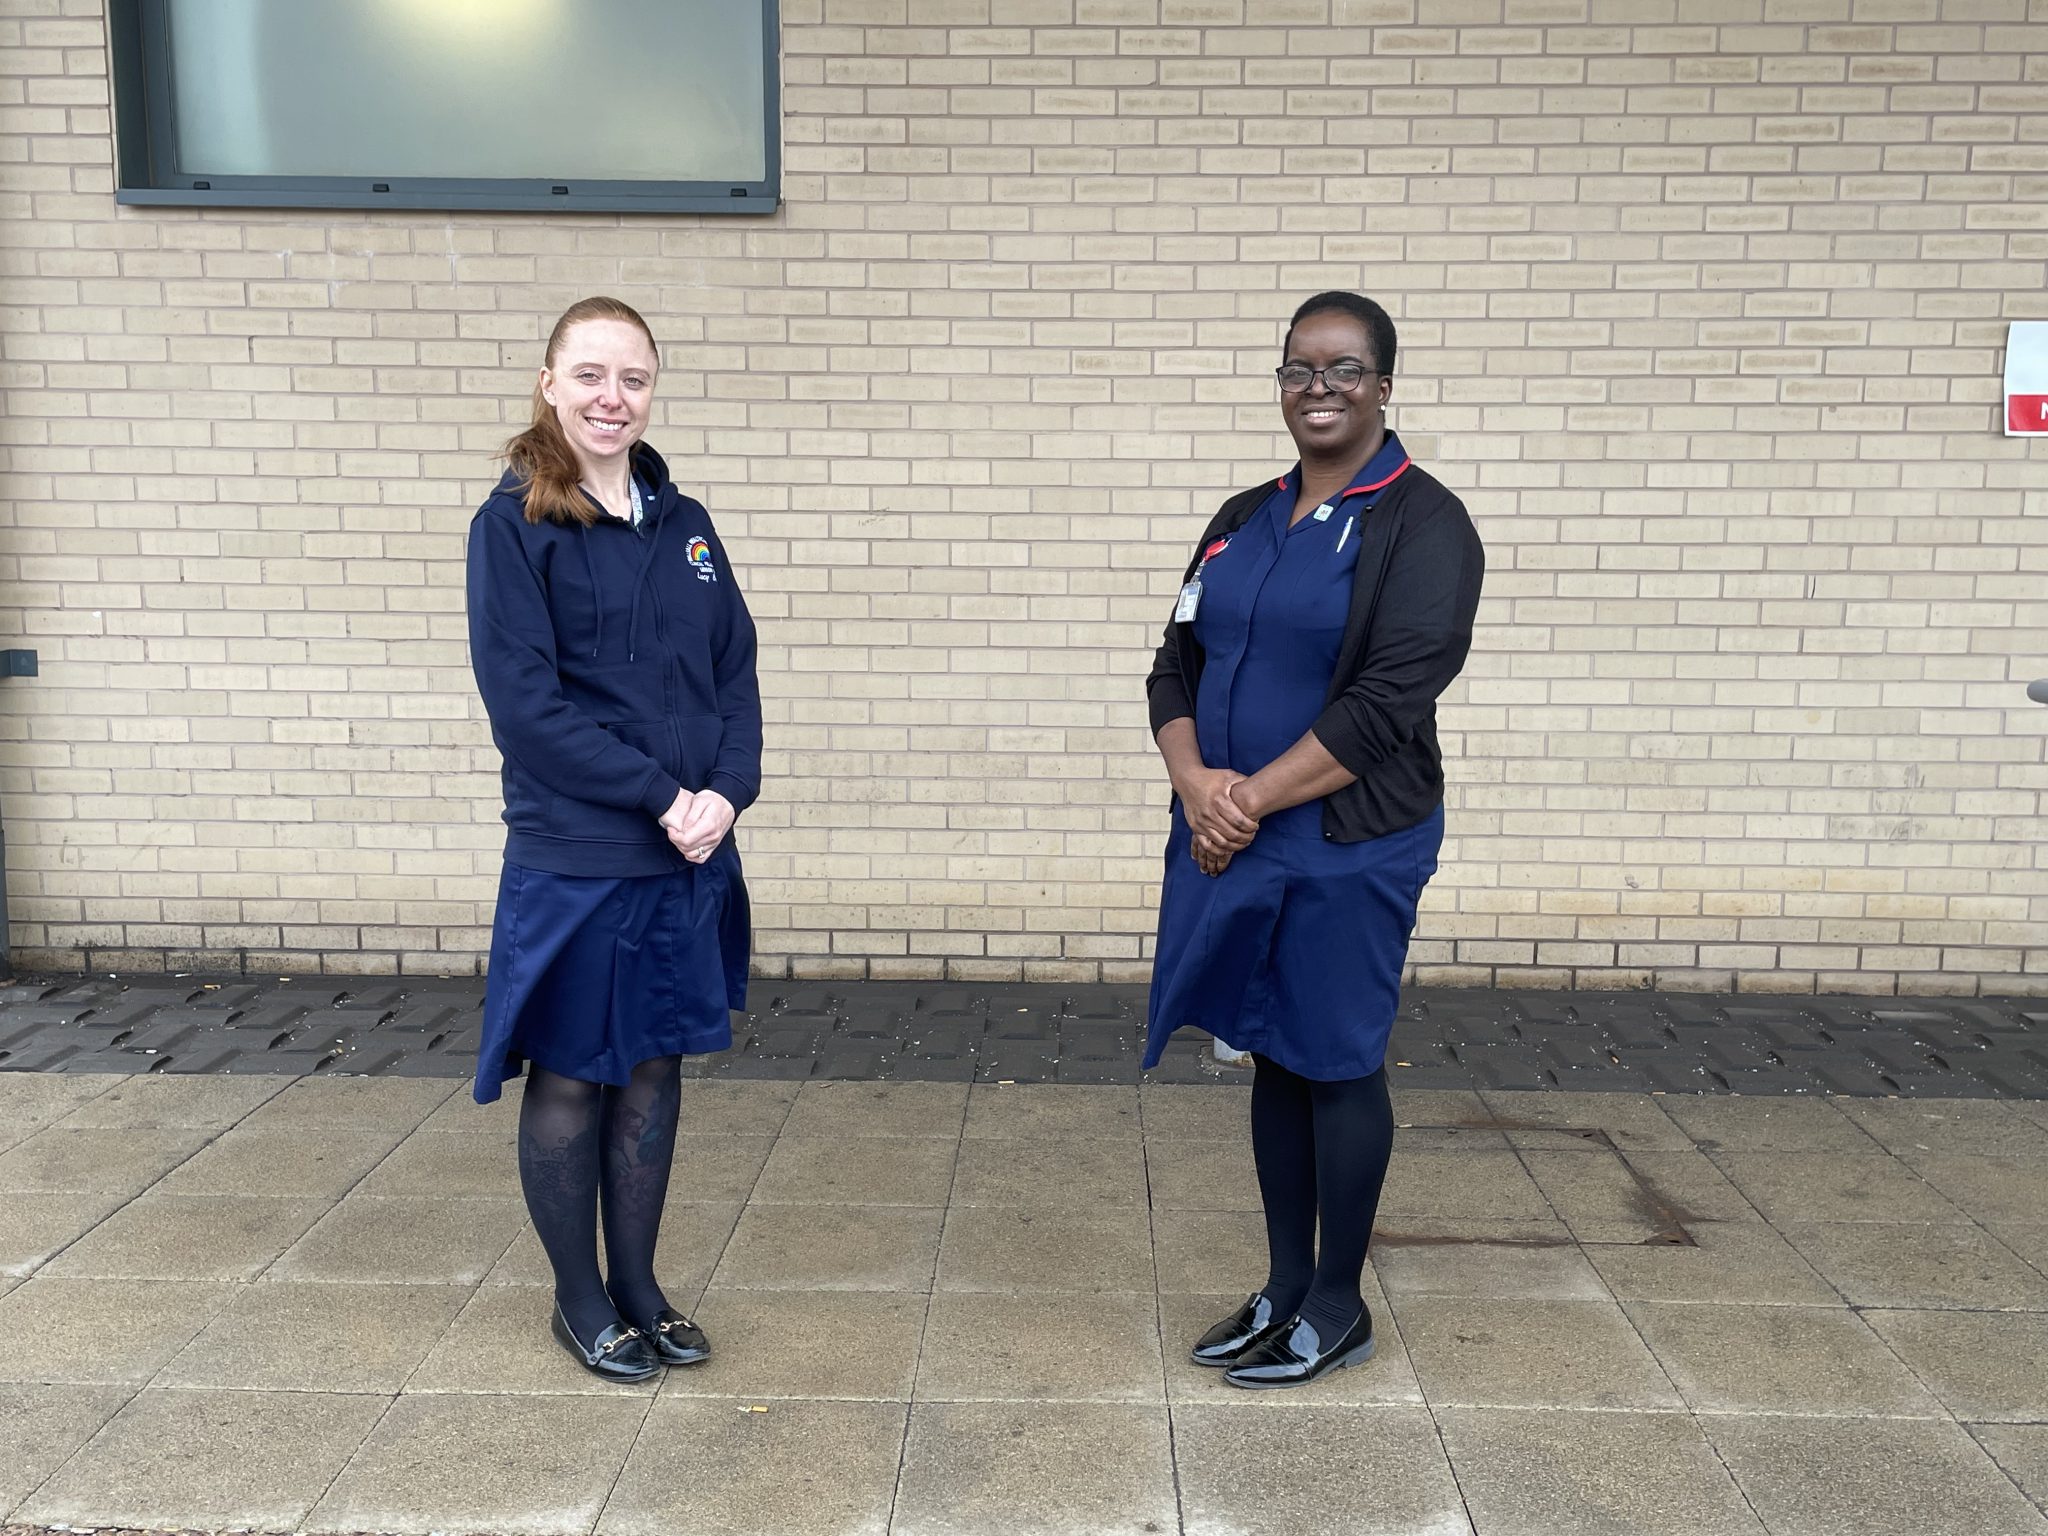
{"x": 1379, "y": 325}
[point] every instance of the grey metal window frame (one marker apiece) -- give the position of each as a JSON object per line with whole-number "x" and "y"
{"x": 140, "y": 69}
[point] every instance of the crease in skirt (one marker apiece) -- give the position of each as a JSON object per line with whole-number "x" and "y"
{"x": 1295, "y": 951}
{"x": 592, "y": 975}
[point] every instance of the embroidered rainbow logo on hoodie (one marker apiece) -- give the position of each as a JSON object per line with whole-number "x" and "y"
{"x": 700, "y": 559}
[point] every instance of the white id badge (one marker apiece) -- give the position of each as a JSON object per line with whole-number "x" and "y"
{"x": 1190, "y": 600}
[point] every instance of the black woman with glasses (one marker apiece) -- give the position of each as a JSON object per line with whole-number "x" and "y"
{"x": 1294, "y": 701}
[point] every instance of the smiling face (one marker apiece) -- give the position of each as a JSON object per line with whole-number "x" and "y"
{"x": 601, "y": 385}
{"x": 1327, "y": 425}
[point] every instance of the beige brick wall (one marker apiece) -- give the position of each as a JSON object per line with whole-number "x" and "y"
{"x": 1702, "y": 304}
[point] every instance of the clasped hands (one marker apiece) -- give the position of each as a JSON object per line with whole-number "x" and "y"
{"x": 697, "y": 824}
{"x": 1221, "y": 827}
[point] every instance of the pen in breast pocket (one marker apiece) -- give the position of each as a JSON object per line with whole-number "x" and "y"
{"x": 1344, "y": 535}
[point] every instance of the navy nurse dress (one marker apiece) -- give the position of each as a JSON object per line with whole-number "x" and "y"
{"x": 1296, "y": 950}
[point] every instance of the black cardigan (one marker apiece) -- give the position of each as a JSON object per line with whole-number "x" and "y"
{"x": 1420, "y": 564}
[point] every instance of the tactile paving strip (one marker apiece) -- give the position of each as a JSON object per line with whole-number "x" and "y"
{"x": 949, "y": 1031}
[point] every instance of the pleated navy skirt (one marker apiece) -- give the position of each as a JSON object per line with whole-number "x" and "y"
{"x": 591, "y": 976}
{"x": 1296, "y": 950}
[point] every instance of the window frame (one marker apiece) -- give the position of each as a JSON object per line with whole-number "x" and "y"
{"x": 145, "y": 146}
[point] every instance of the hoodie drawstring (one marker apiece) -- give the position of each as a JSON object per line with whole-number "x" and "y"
{"x": 596, "y": 596}
{"x": 639, "y": 581}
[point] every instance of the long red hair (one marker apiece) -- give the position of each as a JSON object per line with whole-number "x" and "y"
{"x": 541, "y": 456}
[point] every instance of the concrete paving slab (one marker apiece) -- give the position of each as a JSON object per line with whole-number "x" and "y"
{"x": 842, "y": 1345}
{"x": 189, "y": 1237}
{"x": 1271, "y": 1470}
{"x": 1009, "y": 1171}
{"x": 1869, "y": 1477}
{"x": 1510, "y": 1260}
{"x": 1388, "y": 1377}
{"x": 856, "y": 1170}
{"x": 1982, "y": 1127}
{"x": 1529, "y": 1354}
{"x": 1436, "y": 1106}
{"x": 519, "y": 1466}
{"x": 1078, "y": 1250}
{"x": 1635, "y": 1122}
{"x": 35, "y": 1227}
{"x": 989, "y": 1347}
{"x": 1834, "y": 1186}
{"x": 290, "y": 1337}
{"x": 1806, "y": 1360}
{"x": 1202, "y": 1175}
{"x": 1602, "y": 1198}
{"x": 461, "y": 1112}
{"x": 717, "y": 1167}
{"x": 367, "y": 1238}
{"x": 2027, "y": 1239}
{"x": 878, "y": 1109}
{"x": 1035, "y": 1469}
{"x": 2021, "y": 1452}
{"x": 29, "y": 1101}
{"x": 154, "y": 1102}
{"x": 1746, "y": 1263}
{"x": 822, "y": 1469}
{"x": 823, "y": 1248}
{"x": 1041, "y": 1111}
{"x": 1984, "y": 1366}
{"x": 694, "y": 1234}
{"x": 450, "y": 1164}
{"x": 1987, "y": 1189}
{"x": 277, "y": 1158}
{"x": 724, "y": 1107}
{"x": 94, "y": 1162}
{"x": 41, "y": 1426}
{"x": 1736, "y": 1124}
{"x": 1190, "y": 1112}
{"x": 1460, "y": 1186}
{"x": 101, "y": 1332}
{"x": 500, "y": 1344}
{"x": 1543, "y": 1472}
{"x": 249, "y": 1460}
{"x": 392, "y": 1106}
{"x": 1939, "y": 1265}
{"x": 1209, "y": 1253}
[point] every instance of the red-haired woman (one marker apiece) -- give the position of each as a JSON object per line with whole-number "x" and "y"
{"x": 615, "y": 657}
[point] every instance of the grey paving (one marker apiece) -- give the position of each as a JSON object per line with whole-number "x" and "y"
{"x": 942, "y": 1307}
{"x": 956, "y": 1032}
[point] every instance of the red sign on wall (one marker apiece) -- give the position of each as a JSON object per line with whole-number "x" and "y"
{"x": 2026, "y": 379}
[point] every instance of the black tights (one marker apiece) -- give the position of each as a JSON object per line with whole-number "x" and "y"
{"x": 1322, "y": 1151}
{"x": 575, "y": 1138}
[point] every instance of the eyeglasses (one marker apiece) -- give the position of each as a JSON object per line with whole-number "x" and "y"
{"x": 1296, "y": 378}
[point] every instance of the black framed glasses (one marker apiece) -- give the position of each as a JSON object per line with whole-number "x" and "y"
{"x": 1296, "y": 378}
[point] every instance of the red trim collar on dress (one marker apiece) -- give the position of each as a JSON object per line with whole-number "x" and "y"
{"x": 1357, "y": 490}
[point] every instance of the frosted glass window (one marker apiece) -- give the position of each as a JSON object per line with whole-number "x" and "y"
{"x": 594, "y": 93}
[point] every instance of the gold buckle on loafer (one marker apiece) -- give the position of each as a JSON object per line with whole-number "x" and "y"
{"x": 625, "y": 1338}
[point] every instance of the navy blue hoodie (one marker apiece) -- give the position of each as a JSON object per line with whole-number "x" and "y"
{"x": 617, "y": 666}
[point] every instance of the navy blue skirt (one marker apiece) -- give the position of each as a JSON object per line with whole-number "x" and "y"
{"x": 1296, "y": 950}
{"x": 592, "y": 976}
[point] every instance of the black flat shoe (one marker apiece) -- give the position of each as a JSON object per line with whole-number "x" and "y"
{"x": 1251, "y": 1324}
{"x": 677, "y": 1340}
{"x": 621, "y": 1353}
{"x": 1295, "y": 1355}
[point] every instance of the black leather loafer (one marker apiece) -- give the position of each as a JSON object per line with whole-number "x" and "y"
{"x": 620, "y": 1353}
{"x": 1296, "y": 1355}
{"x": 677, "y": 1340}
{"x": 1253, "y": 1323}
